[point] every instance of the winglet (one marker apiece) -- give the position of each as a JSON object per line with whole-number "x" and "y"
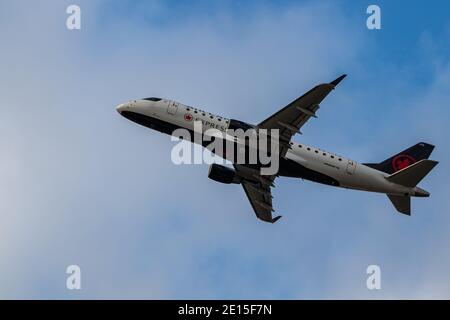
{"x": 276, "y": 219}
{"x": 336, "y": 81}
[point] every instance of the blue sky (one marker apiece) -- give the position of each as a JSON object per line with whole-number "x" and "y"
{"x": 81, "y": 185}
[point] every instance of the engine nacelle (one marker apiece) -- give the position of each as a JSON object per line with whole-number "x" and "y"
{"x": 223, "y": 174}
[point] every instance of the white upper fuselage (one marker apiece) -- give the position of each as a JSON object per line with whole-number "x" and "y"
{"x": 348, "y": 173}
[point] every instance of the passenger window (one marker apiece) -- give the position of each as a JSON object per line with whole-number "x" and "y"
{"x": 332, "y": 157}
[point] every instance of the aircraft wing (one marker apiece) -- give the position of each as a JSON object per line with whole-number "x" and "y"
{"x": 291, "y": 118}
{"x": 258, "y": 191}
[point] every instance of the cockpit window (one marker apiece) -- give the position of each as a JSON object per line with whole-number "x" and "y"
{"x": 152, "y": 99}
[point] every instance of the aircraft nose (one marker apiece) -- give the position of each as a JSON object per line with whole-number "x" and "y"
{"x": 121, "y": 107}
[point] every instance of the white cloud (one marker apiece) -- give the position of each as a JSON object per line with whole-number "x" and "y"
{"x": 84, "y": 186}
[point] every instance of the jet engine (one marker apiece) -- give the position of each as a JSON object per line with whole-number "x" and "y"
{"x": 223, "y": 174}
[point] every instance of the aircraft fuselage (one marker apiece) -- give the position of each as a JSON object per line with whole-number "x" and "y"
{"x": 301, "y": 161}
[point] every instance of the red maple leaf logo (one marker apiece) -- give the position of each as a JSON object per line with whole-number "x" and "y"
{"x": 402, "y": 161}
{"x": 188, "y": 117}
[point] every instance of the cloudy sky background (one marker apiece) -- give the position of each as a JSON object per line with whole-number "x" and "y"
{"x": 81, "y": 185}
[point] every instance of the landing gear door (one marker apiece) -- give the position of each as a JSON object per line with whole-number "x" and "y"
{"x": 351, "y": 166}
{"x": 172, "y": 108}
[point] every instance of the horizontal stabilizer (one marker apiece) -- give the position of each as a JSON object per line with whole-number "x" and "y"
{"x": 412, "y": 175}
{"x": 401, "y": 203}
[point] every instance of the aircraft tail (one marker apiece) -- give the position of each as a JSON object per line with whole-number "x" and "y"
{"x": 404, "y": 159}
{"x": 410, "y": 177}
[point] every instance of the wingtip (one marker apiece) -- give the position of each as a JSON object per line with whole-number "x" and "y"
{"x": 336, "y": 81}
{"x": 276, "y": 219}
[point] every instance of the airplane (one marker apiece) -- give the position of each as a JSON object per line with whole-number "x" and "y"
{"x": 397, "y": 176}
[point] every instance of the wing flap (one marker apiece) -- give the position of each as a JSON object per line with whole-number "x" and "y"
{"x": 291, "y": 118}
{"x": 258, "y": 191}
{"x": 260, "y": 200}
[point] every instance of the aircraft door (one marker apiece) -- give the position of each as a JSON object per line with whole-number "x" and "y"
{"x": 351, "y": 166}
{"x": 172, "y": 108}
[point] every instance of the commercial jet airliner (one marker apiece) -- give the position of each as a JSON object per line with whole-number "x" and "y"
{"x": 397, "y": 176}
